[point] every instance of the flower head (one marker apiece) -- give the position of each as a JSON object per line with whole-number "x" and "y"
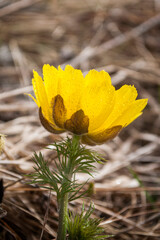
{"x": 88, "y": 106}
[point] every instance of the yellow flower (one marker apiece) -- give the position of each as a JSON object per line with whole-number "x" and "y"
{"x": 88, "y": 106}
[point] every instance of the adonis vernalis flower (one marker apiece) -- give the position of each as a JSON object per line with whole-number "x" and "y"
{"x": 88, "y": 106}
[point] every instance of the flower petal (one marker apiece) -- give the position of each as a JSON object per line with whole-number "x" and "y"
{"x": 70, "y": 87}
{"x": 41, "y": 95}
{"x": 48, "y": 126}
{"x": 33, "y": 98}
{"x": 105, "y": 135}
{"x": 123, "y": 98}
{"x": 86, "y": 140}
{"x": 59, "y": 111}
{"x": 98, "y": 98}
{"x": 133, "y": 111}
{"x": 78, "y": 123}
{"x": 51, "y": 79}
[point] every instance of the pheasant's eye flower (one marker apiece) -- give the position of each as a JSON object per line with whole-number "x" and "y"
{"x": 88, "y": 106}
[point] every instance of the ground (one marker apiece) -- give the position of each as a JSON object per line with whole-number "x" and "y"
{"x": 121, "y": 37}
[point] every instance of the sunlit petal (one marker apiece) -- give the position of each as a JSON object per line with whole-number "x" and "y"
{"x": 98, "y": 98}
{"x": 70, "y": 88}
{"x": 133, "y": 111}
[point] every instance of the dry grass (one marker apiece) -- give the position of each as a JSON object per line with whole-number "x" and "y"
{"x": 121, "y": 37}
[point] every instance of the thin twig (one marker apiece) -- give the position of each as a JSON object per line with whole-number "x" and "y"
{"x": 90, "y": 52}
{"x": 14, "y": 7}
{"x": 46, "y": 215}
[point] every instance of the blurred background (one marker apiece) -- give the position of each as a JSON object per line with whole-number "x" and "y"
{"x": 119, "y": 36}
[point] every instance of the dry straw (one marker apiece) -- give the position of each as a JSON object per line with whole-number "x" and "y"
{"x": 56, "y": 32}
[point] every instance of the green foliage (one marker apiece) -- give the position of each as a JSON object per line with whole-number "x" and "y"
{"x": 72, "y": 158}
{"x": 43, "y": 176}
{"x": 82, "y": 227}
{"x": 82, "y": 159}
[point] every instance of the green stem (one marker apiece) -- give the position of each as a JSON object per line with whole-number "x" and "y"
{"x": 63, "y": 209}
{"x": 63, "y": 203}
